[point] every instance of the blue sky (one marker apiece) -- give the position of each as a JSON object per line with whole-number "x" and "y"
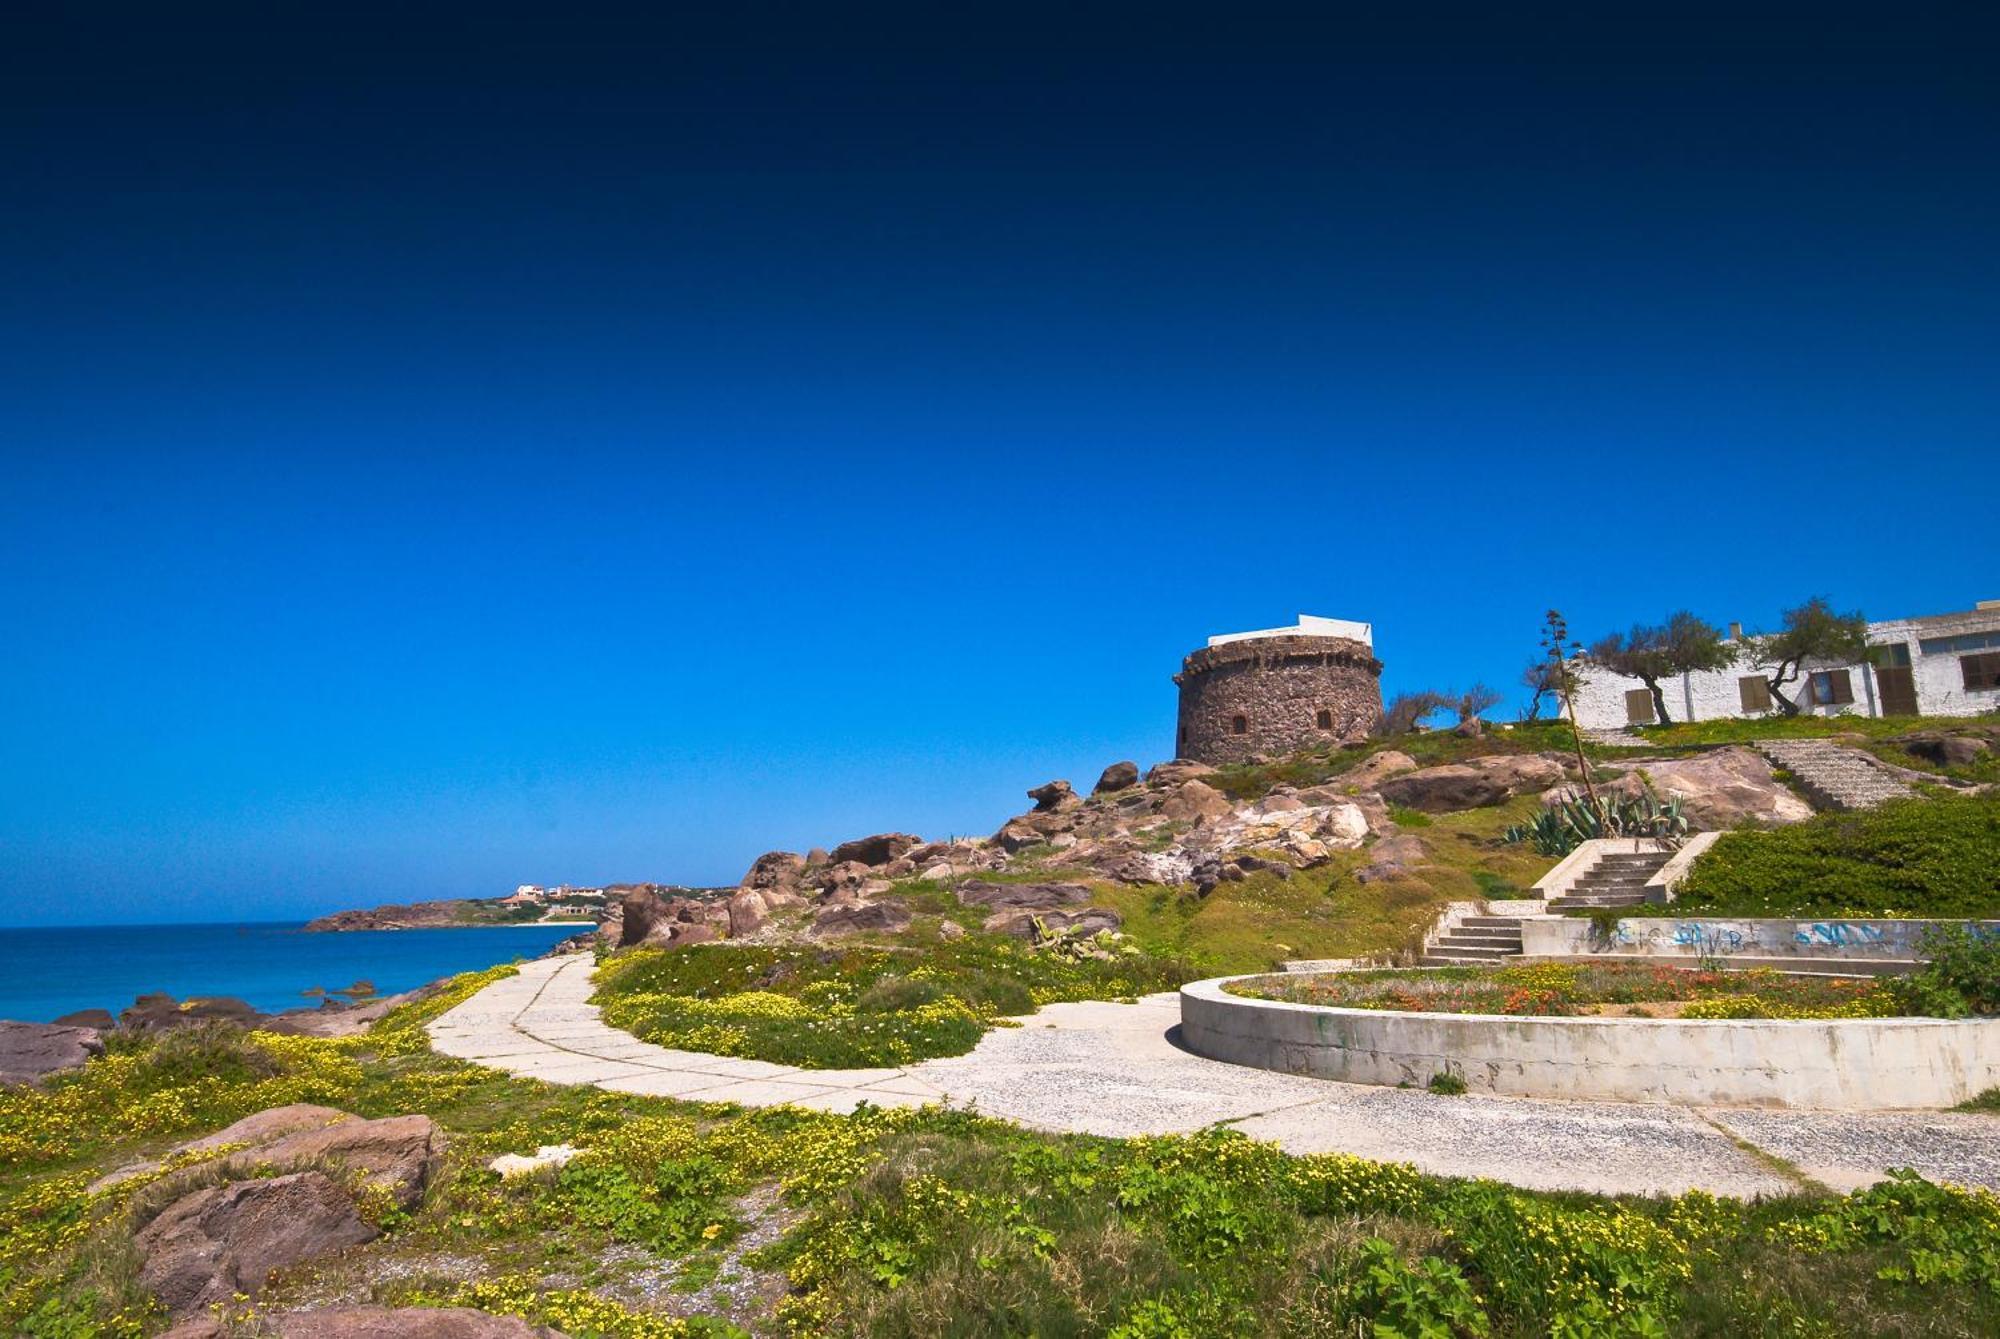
{"x": 443, "y": 454}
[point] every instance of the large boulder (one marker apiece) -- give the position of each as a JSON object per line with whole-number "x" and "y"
{"x": 1474, "y": 784}
{"x": 1033, "y": 896}
{"x": 879, "y": 849}
{"x": 1394, "y": 857}
{"x": 1718, "y": 789}
{"x": 394, "y": 1155}
{"x": 1054, "y": 795}
{"x": 376, "y": 1322}
{"x": 1035, "y": 926}
{"x": 775, "y": 869}
{"x": 212, "y": 1244}
{"x": 1177, "y": 770}
{"x": 1376, "y": 768}
{"x": 30, "y": 1052}
{"x": 749, "y": 909}
{"x": 1193, "y": 800}
{"x": 849, "y": 918}
{"x": 1947, "y": 750}
{"x": 657, "y": 921}
{"x": 1015, "y": 836}
{"x": 1119, "y": 776}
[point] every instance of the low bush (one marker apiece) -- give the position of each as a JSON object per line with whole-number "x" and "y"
{"x": 1934, "y": 857}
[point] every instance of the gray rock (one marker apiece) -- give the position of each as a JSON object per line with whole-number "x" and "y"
{"x": 30, "y": 1052}
{"x": 1034, "y": 896}
{"x": 377, "y": 1322}
{"x": 847, "y": 918}
{"x": 1474, "y": 784}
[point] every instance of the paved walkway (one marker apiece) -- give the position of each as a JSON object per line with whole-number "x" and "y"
{"x": 1113, "y": 1069}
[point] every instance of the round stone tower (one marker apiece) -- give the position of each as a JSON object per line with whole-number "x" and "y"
{"x": 1279, "y": 691}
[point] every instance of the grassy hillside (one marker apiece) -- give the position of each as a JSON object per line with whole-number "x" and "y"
{"x": 682, "y": 1221}
{"x": 1922, "y": 857}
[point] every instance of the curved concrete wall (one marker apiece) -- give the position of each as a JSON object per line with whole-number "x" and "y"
{"x": 1855, "y": 1064}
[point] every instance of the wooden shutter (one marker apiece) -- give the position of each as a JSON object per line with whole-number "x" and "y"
{"x": 1638, "y": 706}
{"x": 1839, "y": 687}
{"x": 1754, "y": 692}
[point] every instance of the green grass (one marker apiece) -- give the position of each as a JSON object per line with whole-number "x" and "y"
{"x": 1734, "y": 730}
{"x": 1933, "y": 857}
{"x": 1986, "y": 1101}
{"x": 1547, "y": 989}
{"x": 921, "y": 1223}
{"x": 858, "y": 1006}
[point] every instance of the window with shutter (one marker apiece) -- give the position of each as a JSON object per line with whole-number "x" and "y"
{"x": 1981, "y": 671}
{"x": 1754, "y": 692}
{"x": 1832, "y": 688}
{"x": 1639, "y": 706}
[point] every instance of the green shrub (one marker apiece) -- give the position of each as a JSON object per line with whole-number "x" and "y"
{"x": 1960, "y": 977}
{"x": 1919, "y": 858}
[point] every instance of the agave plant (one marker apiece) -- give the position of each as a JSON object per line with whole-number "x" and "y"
{"x": 1574, "y": 819}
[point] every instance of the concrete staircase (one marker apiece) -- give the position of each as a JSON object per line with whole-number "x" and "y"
{"x": 1834, "y": 776}
{"x": 1476, "y": 939}
{"x": 1618, "y": 879}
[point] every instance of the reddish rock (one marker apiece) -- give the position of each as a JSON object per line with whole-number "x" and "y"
{"x": 1194, "y": 800}
{"x": 1474, "y": 784}
{"x": 212, "y": 1244}
{"x": 377, "y": 1322}
{"x": 775, "y": 869}
{"x": 879, "y": 849}
{"x": 749, "y": 910}
{"x": 1178, "y": 770}
{"x": 1022, "y": 923}
{"x": 1118, "y": 776}
{"x": 396, "y": 1153}
{"x": 1013, "y": 896}
{"x": 1053, "y": 795}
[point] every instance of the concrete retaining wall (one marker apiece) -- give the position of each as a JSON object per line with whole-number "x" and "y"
{"x": 1848, "y": 1064}
{"x": 1811, "y": 943}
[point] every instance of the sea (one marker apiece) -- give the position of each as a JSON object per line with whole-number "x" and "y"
{"x": 48, "y": 972}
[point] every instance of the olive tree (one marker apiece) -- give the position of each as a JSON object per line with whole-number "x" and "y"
{"x": 1813, "y": 631}
{"x": 1681, "y": 645}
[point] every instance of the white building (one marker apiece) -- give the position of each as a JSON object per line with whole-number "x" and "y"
{"x": 1937, "y": 665}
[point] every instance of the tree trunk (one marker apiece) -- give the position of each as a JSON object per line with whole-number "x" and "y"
{"x": 1776, "y": 683}
{"x": 1659, "y": 701}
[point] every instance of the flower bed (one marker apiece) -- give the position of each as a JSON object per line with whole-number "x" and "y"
{"x": 1631, "y": 990}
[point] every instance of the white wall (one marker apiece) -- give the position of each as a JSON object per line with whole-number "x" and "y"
{"x": 1941, "y": 689}
{"x": 1709, "y": 695}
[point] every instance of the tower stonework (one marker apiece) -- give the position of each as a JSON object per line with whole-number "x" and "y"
{"x": 1280, "y": 691}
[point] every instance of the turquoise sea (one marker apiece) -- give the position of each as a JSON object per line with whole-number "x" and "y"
{"x": 48, "y": 972}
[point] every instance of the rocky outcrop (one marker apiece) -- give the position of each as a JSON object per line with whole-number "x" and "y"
{"x": 1718, "y": 789}
{"x": 1017, "y": 896}
{"x": 776, "y": 869}
{"x": 1193, "y": 800}
{"x": 879, "y": 849}
{"x": 1041, "y": 926}
{"x": 1376, "y": 768}
{"x": 160, "y": 1012}
{"x": 1394, "y": 857}
{"x": 438, "y": 915}
{"x": 848, "y": 918}
{"x": 1475, "y": 784}
{"x": 1177, "y": 770}
{"x": 287, "y": 1198}
{"x": 212, "y": 1244}
{"x": 656, "y": 921}
{"x": 1947, "y": 750}
{"x": 1119, "y": 776}
{"x": 1054, "y": 795}
{"x": 376, "y": 1322}
{"x": 30, "y": 1052}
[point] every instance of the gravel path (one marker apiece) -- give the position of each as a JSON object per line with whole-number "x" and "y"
{"x": 1113, "y": 1069}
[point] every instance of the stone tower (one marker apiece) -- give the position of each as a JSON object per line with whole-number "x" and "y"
{"x": 1278, "y": 691}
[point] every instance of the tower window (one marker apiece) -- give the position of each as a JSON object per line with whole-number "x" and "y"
{"x": 1239, "y": 725}
{"x": 1324, "y": 720}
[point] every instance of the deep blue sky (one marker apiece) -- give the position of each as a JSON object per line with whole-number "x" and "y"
{"x": 443, "y": 452}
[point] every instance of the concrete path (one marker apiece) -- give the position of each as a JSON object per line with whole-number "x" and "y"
{"x": 1113, "y": 1069}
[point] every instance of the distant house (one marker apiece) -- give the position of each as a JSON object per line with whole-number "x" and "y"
{"x": 1935, "y": 665}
